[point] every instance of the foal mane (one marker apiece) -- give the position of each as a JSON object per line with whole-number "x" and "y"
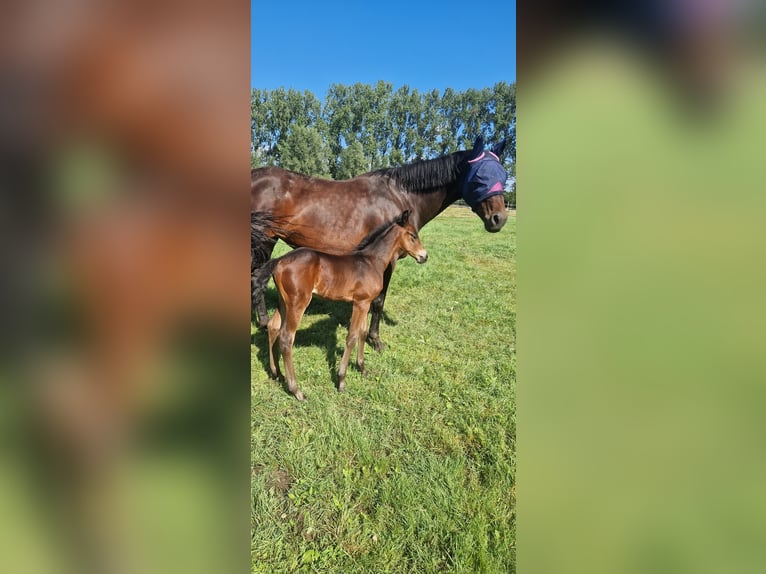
{"x": 374, "y": 235}
{"x": 426, "y": 174}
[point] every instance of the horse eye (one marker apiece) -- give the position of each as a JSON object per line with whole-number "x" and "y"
{"x": 413, "y": 235}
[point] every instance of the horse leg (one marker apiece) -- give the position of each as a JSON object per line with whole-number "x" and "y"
{"x": 260, "y": 310}
{"x": 373, "y": 336}
{"x": 355, "y": 329}
{"x": 261, "y": 247}
{"x": 361, "y": 337}
{"x": 292, "y": 318}
{"x": 273, "y": 328}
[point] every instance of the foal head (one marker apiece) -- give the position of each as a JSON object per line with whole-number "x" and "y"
{"x": 408, "y": 239}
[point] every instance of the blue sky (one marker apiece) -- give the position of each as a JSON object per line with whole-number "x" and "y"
{"x": 305, "y": 44}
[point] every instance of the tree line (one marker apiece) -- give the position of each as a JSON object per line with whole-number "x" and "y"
{"x": 360, "y": 127}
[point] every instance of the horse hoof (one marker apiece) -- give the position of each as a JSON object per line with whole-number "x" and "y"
{"x": 341, "y": 387}
{"x": 299, "y": 396}
{"x": 376, "y": 343}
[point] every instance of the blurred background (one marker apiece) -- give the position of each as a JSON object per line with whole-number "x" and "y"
{"x": 641, "y": 362}
{"x": 124, "y": 403}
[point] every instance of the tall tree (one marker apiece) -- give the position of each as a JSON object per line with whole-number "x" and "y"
{"x": 504, "y": 104}
{"x": 363, "y": 127}
{"x": 352, "y": 161}
{"x": 451, "y": 123}
{"x": 337, "y": 114}
{"x": 261, "y": 140}
{"x": 428, "y": 125}
{"x": 380, "y": 123}
{"x": 303, "y": 150}
{"x": 405, "y": 111}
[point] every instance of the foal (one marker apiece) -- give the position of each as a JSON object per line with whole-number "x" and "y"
{"x": 356, "y": 277}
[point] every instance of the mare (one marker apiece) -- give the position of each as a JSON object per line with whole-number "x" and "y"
{"x": 356, "y": 277}
{"x": 334, "y": 216}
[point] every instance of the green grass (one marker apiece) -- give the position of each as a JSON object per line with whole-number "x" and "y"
{"x": 412, "y": 469}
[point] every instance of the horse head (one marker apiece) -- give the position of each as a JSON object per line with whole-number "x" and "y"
{"x": 409, "y": 240}
{"x": 483, "y": 184}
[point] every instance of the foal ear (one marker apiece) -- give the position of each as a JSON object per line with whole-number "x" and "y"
{"x": 499, "y": 148}
{"x": 403, "y": 218}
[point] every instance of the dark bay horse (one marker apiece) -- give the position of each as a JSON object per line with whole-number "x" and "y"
{"x": 356, "y": 278}
{"x": 333, "y": 216}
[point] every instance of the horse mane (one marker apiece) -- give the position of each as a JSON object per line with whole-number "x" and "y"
{"x": 374, "y": 235}
{"x": 426, "y": 174}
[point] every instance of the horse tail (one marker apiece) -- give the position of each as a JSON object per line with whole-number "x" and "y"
{"x": 260, "y": 278}
{"x": 261, "y": 244}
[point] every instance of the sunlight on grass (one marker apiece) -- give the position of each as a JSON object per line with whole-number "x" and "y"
{"x": 413, "y": 468}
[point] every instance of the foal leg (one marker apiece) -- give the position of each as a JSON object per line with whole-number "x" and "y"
{"x": 273, "y": 327}
{"x": 293, "y": 313}
{"x": 360, "y": 338}
{"x": 373, "y": 337}
{"x": 355, "y": 329}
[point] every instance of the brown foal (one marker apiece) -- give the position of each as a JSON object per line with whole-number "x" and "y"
{"x": 356, "y": 277}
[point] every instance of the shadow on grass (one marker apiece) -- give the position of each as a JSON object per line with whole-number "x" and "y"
{"x": 322, "y": 333}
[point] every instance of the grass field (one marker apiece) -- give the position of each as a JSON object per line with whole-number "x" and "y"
{"x": 412, "y": 469}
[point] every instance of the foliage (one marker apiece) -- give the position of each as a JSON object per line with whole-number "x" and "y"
{"x": 352, "y": 161}
{"x": 412, "y": 469}
{"x": 304, "y": 151}
{"x": 388, "y": 127}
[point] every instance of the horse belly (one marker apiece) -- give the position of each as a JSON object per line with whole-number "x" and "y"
{"x": 326, "y": 220}
{"x": 334, "y": 290}
{"x": 345, "y": 279}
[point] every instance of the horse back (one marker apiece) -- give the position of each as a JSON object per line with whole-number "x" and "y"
{"x": 325, "y": 215}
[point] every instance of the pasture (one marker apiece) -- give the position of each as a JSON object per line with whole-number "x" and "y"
{"x": 412, "y": 469}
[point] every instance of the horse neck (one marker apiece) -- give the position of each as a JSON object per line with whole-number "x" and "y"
{"x": 383, "y": 250}
{"x": 429, "y": 204}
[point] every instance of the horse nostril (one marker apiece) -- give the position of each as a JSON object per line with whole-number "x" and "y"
{"x": 496, "y": 219}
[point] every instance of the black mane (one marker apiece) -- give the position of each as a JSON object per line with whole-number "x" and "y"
{"x": 426, "y": 174}
{"x": 374, "y": 235}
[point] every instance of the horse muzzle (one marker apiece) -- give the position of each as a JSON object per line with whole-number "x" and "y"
{"x": 495, "y": 222}
{"x": 422, "y": 257}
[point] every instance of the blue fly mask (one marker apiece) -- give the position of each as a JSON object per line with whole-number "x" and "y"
{"x": 485, "y": 178}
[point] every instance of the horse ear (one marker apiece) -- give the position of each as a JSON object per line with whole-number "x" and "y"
{"x": 499, "y": 149}
{"x": 478, "y": 148}
{"x": 404, "y": 218}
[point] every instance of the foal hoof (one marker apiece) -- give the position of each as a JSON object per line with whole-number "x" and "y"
{"x": 376, "y": 343}
{"x": 299, "y": 396}
{"x": 341, "y": 386}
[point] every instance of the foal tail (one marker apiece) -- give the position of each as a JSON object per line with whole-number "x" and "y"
{"x": 261, "y": 276}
